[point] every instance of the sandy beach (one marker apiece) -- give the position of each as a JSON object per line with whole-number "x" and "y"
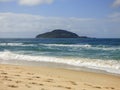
{"x": 14, "y": 77}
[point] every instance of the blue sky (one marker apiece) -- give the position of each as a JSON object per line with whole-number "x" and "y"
{"x": 27, "y": 18}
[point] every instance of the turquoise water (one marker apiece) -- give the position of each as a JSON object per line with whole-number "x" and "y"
{"x": 103, "y": 54}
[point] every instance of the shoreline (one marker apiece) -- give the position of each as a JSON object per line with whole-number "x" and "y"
{"x": 57, "y": 65}
{"x": 22, "y": 77}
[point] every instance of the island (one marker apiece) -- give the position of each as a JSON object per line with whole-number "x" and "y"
{"x": 59, "y": 33}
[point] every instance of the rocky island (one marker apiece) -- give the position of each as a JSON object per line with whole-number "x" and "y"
{"x": 59, "y": 33}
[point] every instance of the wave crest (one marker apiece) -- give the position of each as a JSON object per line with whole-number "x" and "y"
{"x": 108, "y": 65}
{"x": 15, "y": 44}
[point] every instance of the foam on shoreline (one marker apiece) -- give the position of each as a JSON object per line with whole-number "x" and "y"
{"x": 112, "y": 66}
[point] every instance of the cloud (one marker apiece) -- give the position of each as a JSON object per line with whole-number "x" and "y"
{"x": 34, "y": 2}
{"x": 23, "y": 23}
{"x": 26, "y": 25}
{"x": 114, "y": 15}
{"x": 30, "y": 2}
{"x": 116, "y": 3}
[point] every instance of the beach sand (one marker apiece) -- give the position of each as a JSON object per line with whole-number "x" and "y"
{"x": 14, "y": 77}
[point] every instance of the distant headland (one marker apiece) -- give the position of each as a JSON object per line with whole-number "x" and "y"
{"x": 59, "y": 33}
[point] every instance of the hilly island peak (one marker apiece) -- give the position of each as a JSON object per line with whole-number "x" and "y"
{"x": 59, "y": 33}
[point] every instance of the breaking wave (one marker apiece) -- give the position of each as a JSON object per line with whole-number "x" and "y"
{"x": 83, "y": 46}
{"x": 87, "y": 46}
{"x": 112, "y": 66}
{"x": 15, "y": 44}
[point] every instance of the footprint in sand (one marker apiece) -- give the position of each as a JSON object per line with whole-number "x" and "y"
{"x": 30, "y": 73}
{"x": 4, "y": 73}
{"x": 7, "y": 79}
{"x": 13, "y": 86}
{"x": 29, "y": 78}
{"x": 49, "y": 80}
{"x": 73, "y": 83}
{"x": 68, "y": 87}
{"x": 36, "y": 77}
{"x": 109, "y": 87}
{"x": 5, "y": 76}
{"x": 58, "y": 86}
{"x": 34, "y": 83}
{"x": 28, "y": 86}
{"x": 92, "y": 86}
{"x": 18, "y": 81}
{"x": 63, "y": 87}
{"x": 41, "y": 84}
{"x": 97, "y": 87}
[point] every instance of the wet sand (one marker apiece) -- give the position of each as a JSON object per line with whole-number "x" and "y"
{"x": 14, "y": 77}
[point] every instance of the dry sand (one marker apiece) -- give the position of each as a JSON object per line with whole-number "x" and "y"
{"x": 43, "y": 78}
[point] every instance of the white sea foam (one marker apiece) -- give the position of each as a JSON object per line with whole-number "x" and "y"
{"x": 85, "y": 46}
{"x": 76, "y": 46}
{"x": 112, "y": 66}
{"x": 106, "y": 48}
{"x": 65, "y": 45}
{"x": 15, "y": 44}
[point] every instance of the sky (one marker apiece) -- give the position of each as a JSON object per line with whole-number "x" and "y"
{"x": 28, "y": 18}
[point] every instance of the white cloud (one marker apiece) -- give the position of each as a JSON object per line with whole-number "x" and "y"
{"x": 114, "y": 15}
{"x": 34, "y": 24}
{"x": 30, "y": 2}
{"x": 34, "y": 2}
{"x": 26, "y": 25}
{"x": 116, "y": 3}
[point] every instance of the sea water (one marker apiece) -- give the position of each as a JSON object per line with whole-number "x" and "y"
{"x": 100, "y": 54}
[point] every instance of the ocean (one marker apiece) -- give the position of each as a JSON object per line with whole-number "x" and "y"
{"x": 92, "y": 53}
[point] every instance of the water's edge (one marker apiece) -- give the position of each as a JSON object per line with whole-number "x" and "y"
{"x": 56, "y": 65}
